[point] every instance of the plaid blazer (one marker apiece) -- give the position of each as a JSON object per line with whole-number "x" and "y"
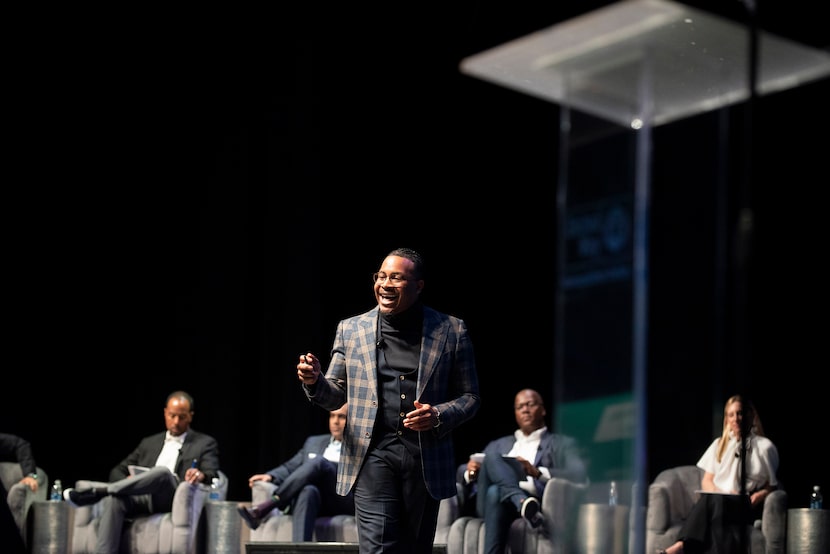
{"x": 447, "y": 379}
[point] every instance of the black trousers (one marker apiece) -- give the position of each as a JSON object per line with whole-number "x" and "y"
{"x": 718, "y": 524}
{"x": 395, "y": 512}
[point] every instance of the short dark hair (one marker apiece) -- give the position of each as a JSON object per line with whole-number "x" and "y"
{"x": 179, "y": 394}
{"x": 414, "y": 257}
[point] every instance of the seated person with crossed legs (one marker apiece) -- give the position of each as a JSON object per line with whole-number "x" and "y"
{"x": 512, "y": 477}
{"x": 178, "y": 454}
{"x": 306, "y": 483}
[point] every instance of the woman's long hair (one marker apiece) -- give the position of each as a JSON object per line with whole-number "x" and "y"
{"x": 748, "y": 413}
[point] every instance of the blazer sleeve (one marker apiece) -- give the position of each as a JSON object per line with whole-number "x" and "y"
{"x": 282, "y": 471}
{"x": 17, "y": 449}
{"x": 204, "y": 449}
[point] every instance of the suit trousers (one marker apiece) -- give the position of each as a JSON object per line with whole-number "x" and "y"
{"x": 310, "y": 490}
{"x": 150, "y": 492}
{"x": 395, "y": 512}
{"x": 502, "y": 501}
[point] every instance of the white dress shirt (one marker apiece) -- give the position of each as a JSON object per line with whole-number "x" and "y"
{"x": 332, "y": 452}
{"x": 170, "y": 451}
{"x": 527, "y": 446}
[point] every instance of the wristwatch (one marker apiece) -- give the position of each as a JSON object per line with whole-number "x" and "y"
{"x": 437, "y": 418}
{"x": 33, "y": 476}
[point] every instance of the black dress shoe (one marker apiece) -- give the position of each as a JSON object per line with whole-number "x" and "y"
{"x": 84, "y": 497}
{"x": 250, "y": 515}
{"x": 254, "y": 515}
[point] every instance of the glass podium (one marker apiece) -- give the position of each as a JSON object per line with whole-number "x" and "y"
{"x": 618, "y": 73}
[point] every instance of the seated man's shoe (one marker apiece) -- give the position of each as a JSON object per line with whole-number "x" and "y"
{"x": 531, "y": 511}
{"x": 84, "y": 497}
{"x": 250, "y": 515}
{"x": 253, "y": 515}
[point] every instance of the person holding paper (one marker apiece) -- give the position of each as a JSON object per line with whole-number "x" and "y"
{"x": 727, "y": 504}
{"x": 511, "y": 478}
{"x": 466, "y": 475}
{"x": 178, "y": 454}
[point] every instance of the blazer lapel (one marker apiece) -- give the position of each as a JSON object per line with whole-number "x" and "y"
{"x": 368, "y": 351}
{"x": 544, "y": 446}
{"x": 432, "y": 346}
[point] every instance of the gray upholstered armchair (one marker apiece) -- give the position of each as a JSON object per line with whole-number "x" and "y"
{"x": 180, "y": 531}
{"x": 672, "y": 494}
{"x": 560, "y": 506}
{"x": 20, "y": 497}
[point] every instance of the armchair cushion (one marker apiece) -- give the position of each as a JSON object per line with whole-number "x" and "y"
{"x": 774, "y": 521}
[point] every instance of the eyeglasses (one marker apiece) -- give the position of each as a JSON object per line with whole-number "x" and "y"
{"x": 530, "y": 404}
{"x": 394, "y": 280}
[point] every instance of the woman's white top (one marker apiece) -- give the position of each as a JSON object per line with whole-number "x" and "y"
{"x": 761, "y": 467}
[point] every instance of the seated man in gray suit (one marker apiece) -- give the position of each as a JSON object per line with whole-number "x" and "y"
{"x": 306, "y": 483}
{"x": 169, "y": 457}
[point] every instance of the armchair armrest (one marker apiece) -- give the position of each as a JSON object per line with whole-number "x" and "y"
{"x": 19, "y": 496}
{"x": 659, "y": 512}
{"x": 262, "y": 491}
{"x": 560, "y": 506}
{"x": 188, "y": 503}
{"x": 774, "y": 521}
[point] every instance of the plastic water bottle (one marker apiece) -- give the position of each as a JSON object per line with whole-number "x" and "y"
{"x": 214, "y": 489}
{"x": 57, "y": 491}
{"x": 816, "y": 499}
{"x": 612, "y": 494}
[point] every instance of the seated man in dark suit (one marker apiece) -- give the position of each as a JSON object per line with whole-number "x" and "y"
{"x": 511, "y": 478}
{"x": 306, "y": 483}
{"x": 178, "y": 454}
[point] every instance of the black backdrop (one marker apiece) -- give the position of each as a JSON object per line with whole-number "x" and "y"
{"x": 195, "y": 198}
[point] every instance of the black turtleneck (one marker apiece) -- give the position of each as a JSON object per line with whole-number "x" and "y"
{"x": 400, "y": 338}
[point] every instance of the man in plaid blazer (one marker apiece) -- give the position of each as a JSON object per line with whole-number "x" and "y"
{"x": 408, "y": 374}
